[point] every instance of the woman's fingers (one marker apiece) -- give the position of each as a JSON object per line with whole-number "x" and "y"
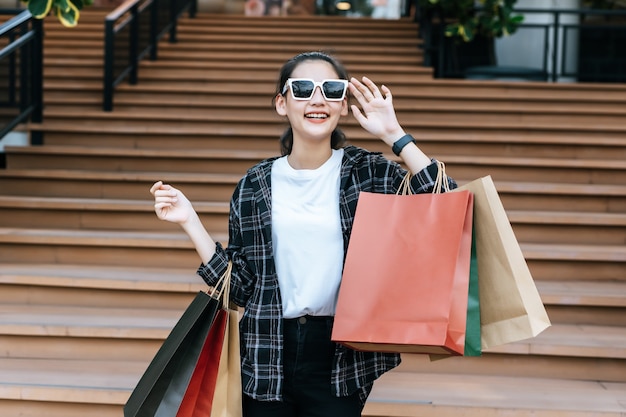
{"x": 155, "y": 187}
{"x": 365, "y": 88}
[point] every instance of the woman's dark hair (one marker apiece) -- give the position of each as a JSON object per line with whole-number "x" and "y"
{"x": 337, "y": 138}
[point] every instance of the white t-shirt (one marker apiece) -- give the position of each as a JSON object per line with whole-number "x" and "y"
{"x": 306, "y": 234}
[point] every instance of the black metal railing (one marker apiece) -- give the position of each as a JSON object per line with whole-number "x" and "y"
{"x": 21, "y": 72}
{"x": 132, "y": 32}
{"x": 574, "y": 44}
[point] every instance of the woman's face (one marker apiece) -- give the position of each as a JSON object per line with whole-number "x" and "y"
{"x": 314, "y": 119}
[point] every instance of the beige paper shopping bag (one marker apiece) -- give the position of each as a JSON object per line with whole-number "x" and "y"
{"x": 510, "y": 306}
{"x": 227, "y": 398}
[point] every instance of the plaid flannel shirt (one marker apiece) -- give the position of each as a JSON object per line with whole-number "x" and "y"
{"x": 254, "y": 282}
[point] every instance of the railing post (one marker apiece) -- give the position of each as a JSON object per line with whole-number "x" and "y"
{"x": 154, "y": 29}
{"x": 555, "y": 46}
{"x": 36, "y": 137}
{"x": 133, "y": 46}
{"x": 173, "y": 21}
{"x": 12, "y": 87}
{"x": 107, "y": 89}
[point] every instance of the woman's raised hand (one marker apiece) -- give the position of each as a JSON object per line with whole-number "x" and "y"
{"x": 171, "y": 204}
{"x": 376, "y": 114}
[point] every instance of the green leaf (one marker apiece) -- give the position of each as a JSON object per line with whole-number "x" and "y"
{"x": 39, "y": 8}
{"x": 67, "y": 12}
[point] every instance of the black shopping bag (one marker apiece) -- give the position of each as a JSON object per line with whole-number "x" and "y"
{"x": 160, "y": 390}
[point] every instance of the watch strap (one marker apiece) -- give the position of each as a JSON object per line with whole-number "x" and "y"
{"x": 401, "y": 143}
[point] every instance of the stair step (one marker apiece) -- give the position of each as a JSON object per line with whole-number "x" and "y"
{"x": 450, "y": 395}
{"x": 109, "y": 383}
{"x": 526, "y": 366}
{"x": 584, "y": 171}
{"x": 434, "y": 141}
{"x": 111, "y": 247}
{"x": 101, "y": 214}
{"x": 269, "y": 123}
{"x": 566, "y": 227}
{"x": 171, "y": 96}
{"x": 266, "y": 114}
{"x": 93, "y": 382}
{"x": 219, "y": 187}
{"x": 602, "y": 294}
{"x": 546, "y": 261}
{"x": 93, "y": 322}
{"x": 184, "y": 280}
{"x": 116, "y": 214}
{"x": 254, "y": 106}
{"x": 155, "y": 323}
{"x": 103, "y": 277}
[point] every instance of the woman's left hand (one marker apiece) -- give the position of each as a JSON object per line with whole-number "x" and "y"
{"x": 377, "y": 114}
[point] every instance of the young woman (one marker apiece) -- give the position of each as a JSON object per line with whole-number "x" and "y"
{"x": 289, "y": 227}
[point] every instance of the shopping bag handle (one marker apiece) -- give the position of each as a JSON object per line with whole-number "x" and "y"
{"x": 441, "y": 182}
{"x": 221, "y": 290}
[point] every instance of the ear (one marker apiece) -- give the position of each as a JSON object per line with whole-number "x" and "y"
{"x": 344, "y": 107}
{"x": 281, "y": 105}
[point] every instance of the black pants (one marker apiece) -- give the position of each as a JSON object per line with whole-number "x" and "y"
{"x": 307, "y": 391}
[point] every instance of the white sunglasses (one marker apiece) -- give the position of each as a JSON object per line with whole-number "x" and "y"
{"x": 303, "y": 88}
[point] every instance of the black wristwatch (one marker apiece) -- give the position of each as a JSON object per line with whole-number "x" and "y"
{"x": 401, "y": 143}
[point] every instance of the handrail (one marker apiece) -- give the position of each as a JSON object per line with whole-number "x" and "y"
{"x": 556, "y": 38}
{"x": 131, "y": 32}
{"x": 24, "y": 86}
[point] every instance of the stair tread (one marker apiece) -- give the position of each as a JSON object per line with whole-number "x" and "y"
{"x": 222, "y": 207}
{"x": 612, "y": 253}
{"x": 419, "y": 89}
{"x": 572, "y": 339}
{"x": 257, "y": 155}
{"x": 567, "y": 218}
{"x": 265, "y": 130}
{"x": 266, "y": 115}
{"x": 107, "y": 382}
{"x": 103, "y": 277}
{"x": 102, "y": 204}
{"x": 423, "y": 393}
{"x": 101, "y": 237}
{"x": 408, "y": 393}
{"x": 537, "y": 250}
{"x": 81, "y": 321}
{"x": 156, "y": 323}
{"x": 86, "y": 175}
{"x": 595, "y": 293}
{"x": 591, "y": 293}
{"x": 226, "y": 154}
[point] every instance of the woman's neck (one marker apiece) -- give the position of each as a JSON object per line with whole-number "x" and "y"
{"x": 309, "y": 157}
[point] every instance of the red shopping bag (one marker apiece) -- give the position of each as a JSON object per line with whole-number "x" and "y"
{"x": 198, "y": 398}
{"x": 406, "y": 276}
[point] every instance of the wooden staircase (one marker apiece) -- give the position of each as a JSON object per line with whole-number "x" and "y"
{"x": 91, "y": 282}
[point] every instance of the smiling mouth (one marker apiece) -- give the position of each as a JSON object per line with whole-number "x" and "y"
{"x": 316, "y": 116}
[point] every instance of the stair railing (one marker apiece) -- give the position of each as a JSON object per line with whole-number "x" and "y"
{"x": 604, "y": 63}
{"x": 21, "y": 72}
{"x": 131, "y": 32}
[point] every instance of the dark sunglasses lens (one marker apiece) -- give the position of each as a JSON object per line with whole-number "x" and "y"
{"x": 334, "y": 89}
{"x": 302, "y": 88}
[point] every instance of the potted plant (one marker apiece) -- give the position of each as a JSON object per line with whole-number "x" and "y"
{"x": 461, "y": 33}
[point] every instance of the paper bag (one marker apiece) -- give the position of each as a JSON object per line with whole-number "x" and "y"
{"x": 406, "y": 275}
{"x": 510, "y": 306}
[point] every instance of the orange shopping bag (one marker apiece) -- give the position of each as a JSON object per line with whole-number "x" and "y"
{"x": 406, "y": 276}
